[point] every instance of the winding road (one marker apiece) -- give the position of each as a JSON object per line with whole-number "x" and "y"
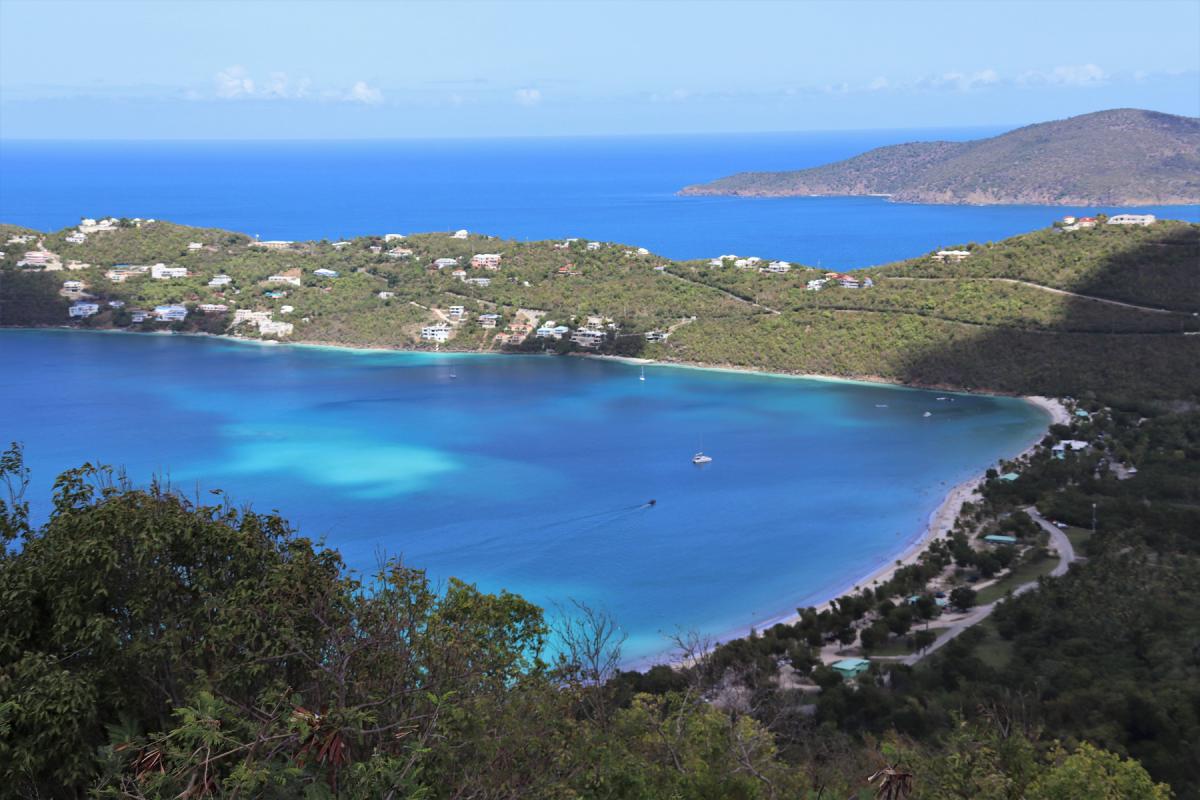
{"x": 1066, "y": 557}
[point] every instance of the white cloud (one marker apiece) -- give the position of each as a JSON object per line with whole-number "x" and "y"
{"x": 966, "y": 82}
{"x": 361, "y": 92}
{"x": 527, "y": 97}
{"x": 234, "y": 82}
{"x": 878, "y": 84}
{"x": 1071, "y": 75}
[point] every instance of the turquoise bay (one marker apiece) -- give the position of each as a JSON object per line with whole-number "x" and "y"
{"x": 525, "y": 473}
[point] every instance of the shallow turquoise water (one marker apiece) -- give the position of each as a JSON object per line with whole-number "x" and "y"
{"x": 526, "y": 473}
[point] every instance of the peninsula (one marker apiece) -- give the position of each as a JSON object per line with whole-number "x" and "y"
{"x": 1119, "y": 157}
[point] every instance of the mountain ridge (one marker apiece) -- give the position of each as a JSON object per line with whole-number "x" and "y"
{"x": 1116, "y": 157}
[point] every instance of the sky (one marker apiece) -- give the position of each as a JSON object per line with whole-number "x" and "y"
{"x": 177, "y": 69}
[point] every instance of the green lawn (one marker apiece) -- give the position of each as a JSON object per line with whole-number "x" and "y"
{"x": 1078, "y": 537}
{"x": 1024, "y": 573}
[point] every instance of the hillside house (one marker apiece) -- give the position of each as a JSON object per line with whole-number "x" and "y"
{"x": 81, "y": 309}
{"x": 778, "y": 267}
{"x": 1061, "y": 449}
{"x": 590, "y": 339}
{"x": 393, "y": 237}
{"x": 479, "y": 281}
{"x": 1132, "y": 219}
{"x": 273, "y": 328}
{"x": 850, "y": 668}
{"x": 194, "y": 246}
{"x": 445, "y": 263}
{"x": 488, "y": 320}
{"x": 485, "y": 261}
{"x": 274, "y": 244}
{"x": 325, "y": 273}
{"x": 386, "y": 295}
{"x": 951, "y": 255}
{"x": 170, "y": 313}
{"x": 36, "y": 258}
{"x": 399, "y": 252}
{"x": 213, "y": 308}
{"x": 138, "y": 316}
{"x": 340, "y": 245}
{"x": 73, "y": 287}
{"x": 76, "y": 238}
{"x": 657, "y": 336}
{"x": 220, "y": 280}
{"x": 436, "y": 333}
{"x": 286, "y": 277}
{"x": 161, "y": 272}
{"x": 593, "y": 245}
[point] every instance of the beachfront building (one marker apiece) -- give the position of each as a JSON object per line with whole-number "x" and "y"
{"x": 850, "y": 668}
{"x": 161, "y": 272}
{"x": 951, "y": 255}
{"x": 293, "y": 280}
{"x": 1132, "y": 219}
{"x": 82, "y": 309}
{"x": 445, "y": 263}
{"x": 170, "y": 313}
{"x": 436, "y": 333}
{"x": 272, "y": 328}
{"x": 588, "y": 338}
{"x": 325, "y": 273}
{"x": 1061, "y": 449}
{"x": 253, "y": 317}
{"x": 485, "y": 261}
{"x": 220, "y": 280}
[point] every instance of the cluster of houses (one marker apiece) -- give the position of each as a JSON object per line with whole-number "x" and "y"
{"x": 1078, "y": 223}
{"x": 841, "y": 279}
{"x": 87, "y": 226}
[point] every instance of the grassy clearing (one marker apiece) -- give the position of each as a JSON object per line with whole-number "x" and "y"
{"x": 1024, "y": 573}
{"x": 899, "y": 646}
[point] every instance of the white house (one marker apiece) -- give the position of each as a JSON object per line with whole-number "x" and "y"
{"x": 340, "y": 245}
{"x": 588, "y": 338}
{"x": 456, "y": 311}
{"x": 272, "y": 328}
{"x": 485, "y": 261}
{"x": 325, "y": 273}
{"x": 170, "y": 313}
{"x": 1132, "y": 219}
{"x": 116, "y": 303}
{"x": 436, "y": 333}
{"x": 275, "y": 244}
{"x": 76, "y": 238}
{"x": 488, "y": 320}
{"x": 81, "y": 309}
{"x": 479, "y": 281}
{"x": 444, "y": 263}
{"x": 72, "y": 286}
{"x": 213, "y": 308}
{"x": 194, "y": 246}
{"x": 848, "y": 282}
{"x": 656, "y": 336}
{"x": 386, "y": 295}
{"x": 220, "y": 280}
{"x": 393, "y": 237}
{"x": 294, "y": 280}
{"x": 399, "y": 252}
{"x": 815, "y": 285}
{"x": 641, "y": 251}
{"x": 36, "y": 257}
{"x": 460, "y": 234}
{"x": 951, "y": 255}
{"x": 716, "y": 262}
{"x": 254, "y": 317}
{"x": 138, "y": 316}
{"x": 778, "y": 267}
{"x": 161, "y": 272}
{"x": 1067, "y": 445}
{"x": 593, "y": 245}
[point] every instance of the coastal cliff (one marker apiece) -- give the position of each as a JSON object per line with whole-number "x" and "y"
{"x": 1119, "y": 157}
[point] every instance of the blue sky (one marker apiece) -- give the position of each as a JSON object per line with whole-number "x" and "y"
{"x": 180, "y": 69}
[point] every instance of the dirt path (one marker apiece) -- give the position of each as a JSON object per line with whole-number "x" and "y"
{"x": 1052, "y": 290}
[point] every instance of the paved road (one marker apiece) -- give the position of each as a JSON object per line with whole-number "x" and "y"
{"x": 1066, "y": 557}
{"x": 1052, "y": 290}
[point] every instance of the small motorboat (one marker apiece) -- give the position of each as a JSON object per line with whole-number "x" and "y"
{"x": 700, "y": 458}
{"x": 927, "y": 414}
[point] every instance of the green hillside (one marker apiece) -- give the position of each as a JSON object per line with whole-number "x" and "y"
{"x": 991, "y": 321}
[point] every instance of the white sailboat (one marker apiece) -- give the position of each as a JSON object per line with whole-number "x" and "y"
{"x": 642, "y": 377}
{"x": 700, "y": 458}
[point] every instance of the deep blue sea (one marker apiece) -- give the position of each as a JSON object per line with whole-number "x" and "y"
{"x": 614, "y": 189}
{"x": 530, "y": 473}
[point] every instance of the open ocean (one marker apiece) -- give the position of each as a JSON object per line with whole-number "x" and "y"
{"x": 530, "y": 473}
{"x": 613, "y": 189}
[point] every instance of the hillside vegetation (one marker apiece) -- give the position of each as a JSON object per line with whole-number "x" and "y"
{"x": 1118, "y": 157}
{"x": 1029, "y": 314}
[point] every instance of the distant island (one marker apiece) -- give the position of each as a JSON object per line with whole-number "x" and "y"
{"x": 1120, "y": 157}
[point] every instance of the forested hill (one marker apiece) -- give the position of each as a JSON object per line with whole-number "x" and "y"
{"x": 1051, "y": 312}
{"x": 1118, "y": 157}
